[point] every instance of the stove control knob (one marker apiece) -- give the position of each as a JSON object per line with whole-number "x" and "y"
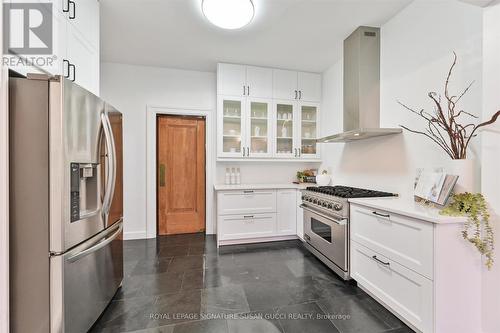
{"x": 324, "y": 204}
{"x": 315, "y": 201}
{"x": 330, "y": 206}
{"x": 337, "y": 207}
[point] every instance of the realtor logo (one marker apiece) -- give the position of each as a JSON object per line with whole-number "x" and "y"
{"x": 27, "y": 28}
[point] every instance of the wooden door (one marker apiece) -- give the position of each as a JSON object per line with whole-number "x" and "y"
{"x": 180, "y": 174}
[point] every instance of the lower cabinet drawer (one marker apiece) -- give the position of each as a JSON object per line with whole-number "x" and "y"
{"x": 405, "y": 240}
{"x": 246, "y": 201}
{"x": 246, "y": 226}
{"x": 407, "y": 293}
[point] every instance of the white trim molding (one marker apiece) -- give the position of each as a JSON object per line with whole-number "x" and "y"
{"x": 152, "y": 112}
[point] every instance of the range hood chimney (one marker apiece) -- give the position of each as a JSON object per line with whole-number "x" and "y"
{"x": 361, "y": 88}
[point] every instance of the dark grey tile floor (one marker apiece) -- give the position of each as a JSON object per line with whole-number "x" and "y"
{"x": 184, "y": 284}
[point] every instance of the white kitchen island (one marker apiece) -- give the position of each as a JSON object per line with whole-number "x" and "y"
{"x": 415, "y": 262}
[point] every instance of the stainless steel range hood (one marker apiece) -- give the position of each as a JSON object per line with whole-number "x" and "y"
{"x": 361, "y": 88}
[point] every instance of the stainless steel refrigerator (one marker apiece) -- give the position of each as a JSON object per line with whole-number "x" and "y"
{"x": 66, "y": 239}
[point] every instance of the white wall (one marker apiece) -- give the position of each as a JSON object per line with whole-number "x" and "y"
{"x": 130, "y": 89}
{"x": 416, "y": 52}
{"x": 491, "y": 161}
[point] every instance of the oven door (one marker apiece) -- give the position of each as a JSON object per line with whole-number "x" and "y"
{"x": 328, "y": 235}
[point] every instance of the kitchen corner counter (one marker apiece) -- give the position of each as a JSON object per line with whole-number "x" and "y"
{"x": 223, "y": 187}
{"x": 409, "y": 208}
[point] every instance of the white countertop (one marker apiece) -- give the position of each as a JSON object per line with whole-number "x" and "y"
{"x": 408, "y": 207}
{"x": 223, "y": 187}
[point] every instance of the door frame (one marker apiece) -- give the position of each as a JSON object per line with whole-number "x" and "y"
{"x": 151, "y": 213}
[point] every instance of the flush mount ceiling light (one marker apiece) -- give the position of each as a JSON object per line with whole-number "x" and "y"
{"x": 228, "y": 14}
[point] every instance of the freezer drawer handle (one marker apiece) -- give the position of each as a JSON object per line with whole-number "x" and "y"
{"x": 380, "y": 261}
{"x": 97, "y": 246}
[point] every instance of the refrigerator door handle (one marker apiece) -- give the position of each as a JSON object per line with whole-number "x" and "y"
{"x": 113, "y": 169}
{"x": 106, "y": 202}
{"x": 97, "y": 246}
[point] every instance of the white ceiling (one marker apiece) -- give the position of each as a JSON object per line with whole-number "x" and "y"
{"x": 297, "y": 34}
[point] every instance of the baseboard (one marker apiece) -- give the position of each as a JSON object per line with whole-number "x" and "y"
{"x": 128, "y": 235}
{"x": 256, "y": 240}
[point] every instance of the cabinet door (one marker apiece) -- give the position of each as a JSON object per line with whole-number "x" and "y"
{"x": 284, "y": 116}
{"x": 231, "y": 126}
{"x": 231, "y": 80}
{"x": 85, "y": 61}
{"x": 258, "y": 131}
{"x": 259, "y": 81}
{"x": 285, "y": 84}
{"x": 84, "y": 16}
{"x": 309, "y": 86}
{"x": 287, "y": 217}
{"x": 308, "y": 131}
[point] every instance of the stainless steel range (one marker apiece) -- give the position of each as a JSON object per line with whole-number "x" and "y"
{"x": 326, "y": 223}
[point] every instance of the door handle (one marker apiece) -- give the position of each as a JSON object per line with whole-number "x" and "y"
{"x": 300, "y": 94}
{"x": 300, "y": 151}
{"x": 111, "y": 170}
{"x": 244, "y": 90}
{"x": 295, "y": 94}
{"x": 66, "y": 9}
{"x": 72, "y": 16}
{"x": 380, "y": 261}
{"x": 248, "y": 151}
{"x": 162, "y": 175}
{"x": 248, "y": 90}
{"x": 307, "y": 237}
{"x": 70, "y": 65}
{"x": 66, "y": 68}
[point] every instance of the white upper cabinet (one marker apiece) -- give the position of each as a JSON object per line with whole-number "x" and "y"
{"x": 84, "y": 16}
{"x": 241, "y": 80}
{"x": 231, "y": 80}
{"x": 309, "y": 87}
{"x": 285, "y": 84}
{"x": 266, "y": 113}
{"x": 259, "y": 82}
{"x": 298, "y": 86}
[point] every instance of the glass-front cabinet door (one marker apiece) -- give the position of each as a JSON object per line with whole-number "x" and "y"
{"x": 258, "y": 131}
{"x": 284, "y": 126}
{"x": 231, "y": 130}
{"x": 309, "y": 115}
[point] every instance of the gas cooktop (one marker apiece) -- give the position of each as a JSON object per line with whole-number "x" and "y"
{"x": 349, "y": 192}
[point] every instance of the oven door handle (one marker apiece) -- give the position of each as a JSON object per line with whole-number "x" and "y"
{"x": 331, "y": 218}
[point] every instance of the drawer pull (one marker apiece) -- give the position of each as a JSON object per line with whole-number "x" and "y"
{"x": 248, "y": 217}
{"x": 380, "y": 261}
{"x": 382, "y": 215}
{"x": 248, "y": 191}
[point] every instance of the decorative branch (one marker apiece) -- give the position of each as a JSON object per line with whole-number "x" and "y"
{"x": 443, "y": 126}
